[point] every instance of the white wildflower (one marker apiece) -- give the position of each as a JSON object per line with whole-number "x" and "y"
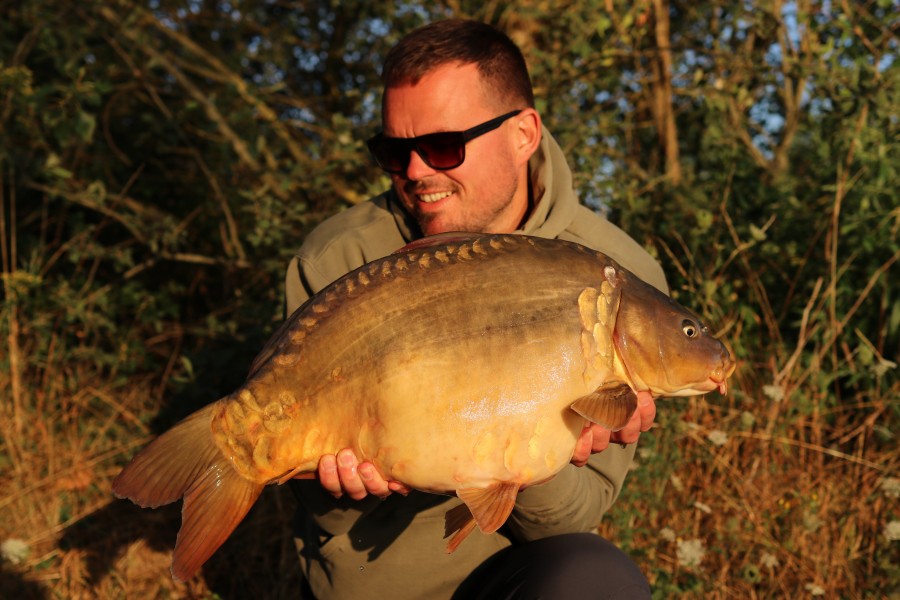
{"x": 891, "y": 487}
{"x": 15, "y": 551}
{"x": 703, "y": 507}
{"x": 768, "y": 560}
{"x": 775, "y": 392}
{"x": 667, "y": 533}
{"x": 717, "y": 437}
{"x": 748, "y": 419}
{"x": 690, "y": 553}
{"x": 892, "y": 531}
{"x": 815, "y": 589}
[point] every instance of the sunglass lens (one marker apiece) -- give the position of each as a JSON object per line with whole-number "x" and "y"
{"x": 445, "y": 150}
{"x": 442, "y": 150}
{"x": 391, "y": 154}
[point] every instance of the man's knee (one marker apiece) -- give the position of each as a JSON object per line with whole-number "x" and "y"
{"x": 588, "y": 566}
{"x": 578, "y": 565}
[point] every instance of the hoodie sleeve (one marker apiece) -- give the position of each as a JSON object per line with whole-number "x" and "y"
{"x": 573, "y": 501}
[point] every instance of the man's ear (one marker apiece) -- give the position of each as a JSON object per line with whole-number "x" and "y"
{"x": 528, "y": 134}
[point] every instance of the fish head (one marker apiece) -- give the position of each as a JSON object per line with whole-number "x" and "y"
{"x": 664, "y": 347}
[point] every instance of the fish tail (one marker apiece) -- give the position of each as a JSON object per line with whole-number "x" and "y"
{"x": 185, "y": 463}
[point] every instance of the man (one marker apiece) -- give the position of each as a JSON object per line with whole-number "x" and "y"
{"x": 466, "y": 151}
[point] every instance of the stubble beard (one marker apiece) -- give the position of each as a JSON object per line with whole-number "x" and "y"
{"x": 466, "y": 219}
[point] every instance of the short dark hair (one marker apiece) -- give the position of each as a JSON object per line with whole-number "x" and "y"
{"x": 499, "y": 60}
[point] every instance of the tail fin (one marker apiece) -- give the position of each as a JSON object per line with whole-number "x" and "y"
{"x": 185, "y": 462}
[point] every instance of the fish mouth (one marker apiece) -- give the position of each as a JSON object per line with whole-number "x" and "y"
{"x": 721, "y": 385}
{"x": 719, "y": 377}
{"x": 700, "y": 387}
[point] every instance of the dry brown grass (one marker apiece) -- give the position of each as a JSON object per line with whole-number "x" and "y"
{"x": 83, "y": 543}
{"x": 798, "y": 513}
{"x": 778, "y": 514}
{"x": 782, "y": 502}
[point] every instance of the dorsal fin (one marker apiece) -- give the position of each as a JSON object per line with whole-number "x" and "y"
{"x": 269, "y": 349}
{"x": 271, "y": 346}
{"x": 440, "y": 239}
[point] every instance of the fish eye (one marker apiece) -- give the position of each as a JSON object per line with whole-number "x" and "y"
{"x": 689, "y": 328}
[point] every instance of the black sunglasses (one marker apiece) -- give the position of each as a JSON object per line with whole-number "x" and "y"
{"x": 442, "y": 151}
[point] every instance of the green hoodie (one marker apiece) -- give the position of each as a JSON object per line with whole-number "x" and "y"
{"x": 394, "y": 548}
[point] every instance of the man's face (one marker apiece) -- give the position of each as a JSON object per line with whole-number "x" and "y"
{"x": 488, "y": 192}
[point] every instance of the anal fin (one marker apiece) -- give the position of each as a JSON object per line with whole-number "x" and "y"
{"x": 489, "y": 508}
{"x": 610, "y": 405}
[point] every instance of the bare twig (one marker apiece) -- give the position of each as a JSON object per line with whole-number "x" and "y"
{"x": 50, "y": 479}
{"x": 120, "y": 410}
{"x": 834, "y": 332}
{"x": 9, "y": 268}
{"x": 84, "y": 200}
{"x": 662, "y": 101}
{"x": 807, "y": 446}
{"x": 760, "y": 291}
{"x": 803, "y": 337}
{"x": 222, "y": 73}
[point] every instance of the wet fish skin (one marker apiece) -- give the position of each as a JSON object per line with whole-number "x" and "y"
{"x": 463, "y": 365}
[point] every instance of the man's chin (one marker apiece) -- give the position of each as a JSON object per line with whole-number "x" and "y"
{"x": 437, "y": 226}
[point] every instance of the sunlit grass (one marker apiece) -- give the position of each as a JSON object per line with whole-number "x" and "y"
{"x": 64, "y": 535}
{"x": 714, "y": 507}
{"x": 800, "y": 512}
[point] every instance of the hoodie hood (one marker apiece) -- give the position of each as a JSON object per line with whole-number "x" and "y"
{"x": 553, "y": 195}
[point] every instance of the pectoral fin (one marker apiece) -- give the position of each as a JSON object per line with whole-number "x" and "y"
{"x": 488, "y": 507}
{"x": 610, "y": 405}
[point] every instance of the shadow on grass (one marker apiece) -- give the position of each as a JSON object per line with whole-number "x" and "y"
{"x": 13, "y": 585}
{"x": 258, "y": 560}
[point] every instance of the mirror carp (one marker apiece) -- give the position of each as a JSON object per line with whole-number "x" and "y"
{"x": 463, "y": 364}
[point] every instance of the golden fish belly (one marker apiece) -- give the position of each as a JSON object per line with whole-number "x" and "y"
{"x": 519, "y": 450}
{"x": 504, "y": 417}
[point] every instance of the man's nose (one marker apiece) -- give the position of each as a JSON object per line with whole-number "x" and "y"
{"x": 417, "y": 168}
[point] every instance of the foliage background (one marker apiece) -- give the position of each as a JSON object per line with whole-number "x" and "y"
{"x": 160, "y": 161}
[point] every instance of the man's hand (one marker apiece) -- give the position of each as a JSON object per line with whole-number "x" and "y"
{"x": 344, "y": 474}
{"x": 595, "y": 438}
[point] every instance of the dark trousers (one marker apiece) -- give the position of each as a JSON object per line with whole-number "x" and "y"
{"x": 577, "y": 565}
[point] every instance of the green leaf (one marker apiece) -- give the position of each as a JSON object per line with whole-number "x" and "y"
{"x": 756, "y": 233}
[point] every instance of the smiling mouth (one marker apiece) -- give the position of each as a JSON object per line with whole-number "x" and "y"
{"x": 430, "y": 198}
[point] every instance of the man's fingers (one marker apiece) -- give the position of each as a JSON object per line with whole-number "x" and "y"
{"x": 372, "y": 480}
{"x": 631, "y": 432}
{"x": 400, "y": 488}
{"x": 646, "y": 409}
{"x": 328, "y": 475}
{"x": 347, "y": 472}
{"x": 344, "y": 474}
{"x": 601, "y": 437}
{"x": 583, "y": 447}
